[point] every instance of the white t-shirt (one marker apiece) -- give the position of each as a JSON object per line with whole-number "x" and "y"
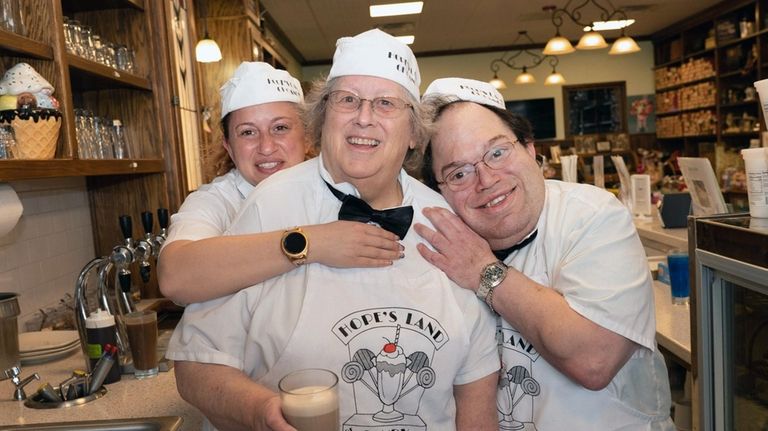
{"x": 588, "y": 250}
{"x": 208, "y": 211}
{"x": 399, "y": 337}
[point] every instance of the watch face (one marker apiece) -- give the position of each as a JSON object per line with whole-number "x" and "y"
{"x": 294, "y": 243}
{"x": 494, "y": 272}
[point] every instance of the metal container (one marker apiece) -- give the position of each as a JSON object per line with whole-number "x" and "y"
{"x": 9, "y": 330}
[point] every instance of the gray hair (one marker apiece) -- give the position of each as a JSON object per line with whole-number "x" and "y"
{"x": 420, "y": 115}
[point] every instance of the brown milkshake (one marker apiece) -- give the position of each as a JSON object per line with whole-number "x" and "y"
{"x": 141, "y": 327}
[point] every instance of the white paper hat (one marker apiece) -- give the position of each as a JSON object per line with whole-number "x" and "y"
{"x": 375, "y": 53}
{"x": 23, "y": 78}
{"x": 255, "y": 83}
{"x": 470, "y": 90}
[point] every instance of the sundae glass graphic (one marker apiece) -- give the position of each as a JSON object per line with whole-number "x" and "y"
{"x": 388, "y": 374}
{"x": 518, "y": 379}
{"x": 390, "y": 364}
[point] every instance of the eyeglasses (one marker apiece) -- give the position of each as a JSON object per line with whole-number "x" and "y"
{"x": 344, "y": 101}
{"x": 466, "y": 175}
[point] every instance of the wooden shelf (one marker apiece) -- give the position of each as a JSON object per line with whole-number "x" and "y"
{"x": 682, "y": 111}
{"x": 707, "y": 136}
{"x": 751, "y": 38}
{"x": 736, "y": 73}
{"x": 739, "y": 134}
{"x": 71, "y": 6}
{"x": 14, "y": 44}
{"x": 89, "y": 75}
{"x": 742, "y": 104}
{"x": 701, "y": 53}
{"x": 686, "y": 84}
{"x": 30, "y": 169}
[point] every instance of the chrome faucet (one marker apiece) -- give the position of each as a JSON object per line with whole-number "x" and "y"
{"x": 118, "y": 262}
{"x": 159, "y": 239}
{"x": 13, "y": 373}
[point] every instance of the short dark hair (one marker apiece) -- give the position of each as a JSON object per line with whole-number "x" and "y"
{"x": 518, "y": 124}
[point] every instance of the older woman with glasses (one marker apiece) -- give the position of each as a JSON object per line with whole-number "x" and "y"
{"x": 561, "y": 263}
{"x": 412, "y": 349}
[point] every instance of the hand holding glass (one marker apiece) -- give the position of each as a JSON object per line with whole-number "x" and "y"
{"x": 310, "y": 399}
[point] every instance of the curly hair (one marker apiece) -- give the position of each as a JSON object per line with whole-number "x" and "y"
{"x": 518, "y": 124}
{"x": 316, "y": 106}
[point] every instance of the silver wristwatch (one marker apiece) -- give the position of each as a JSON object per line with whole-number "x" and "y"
{"x": 491, "y": 276}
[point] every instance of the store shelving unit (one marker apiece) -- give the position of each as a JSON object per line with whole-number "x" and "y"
{"x": 705, "y": 67}
{"x": 141, "y": 100}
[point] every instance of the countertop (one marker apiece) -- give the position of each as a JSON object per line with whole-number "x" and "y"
{"x": 128, "y": 398}
{"x": 673, "y": 322}
{"x": 654, "y": 236}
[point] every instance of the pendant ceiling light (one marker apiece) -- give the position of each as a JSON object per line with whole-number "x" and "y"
{"x": 624, "y": 45}
{"x": 554, "y": 78}
{"x": 525, "y": 77}
{"x": 609, "y": 17}
{"x": 497, "y": 82}
{"x": 521, "y": 59}
{"x": 206, "y": 50}
{"x": 592, "y": 40}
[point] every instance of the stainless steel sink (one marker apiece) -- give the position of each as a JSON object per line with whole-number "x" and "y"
{"x": 160, "y": 423}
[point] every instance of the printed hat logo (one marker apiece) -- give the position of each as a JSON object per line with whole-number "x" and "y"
{"x": 470, "y": 90}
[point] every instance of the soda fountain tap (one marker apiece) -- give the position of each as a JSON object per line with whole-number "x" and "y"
{"x": 122, "y": 257}
{"x": 159, "y": 239}
{"x": 144, "y": 248}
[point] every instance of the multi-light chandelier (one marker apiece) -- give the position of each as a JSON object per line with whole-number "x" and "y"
{"x": 522, "y": 60}
{"x": 611, "y": 18}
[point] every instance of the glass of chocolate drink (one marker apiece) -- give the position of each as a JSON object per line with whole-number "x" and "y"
{"x": 141, "y": 327}
{"x": 310, "y": 399}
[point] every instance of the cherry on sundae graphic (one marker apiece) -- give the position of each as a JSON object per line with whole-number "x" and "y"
{"x": 390, "y": 375}
{"x": 513, "y": 387}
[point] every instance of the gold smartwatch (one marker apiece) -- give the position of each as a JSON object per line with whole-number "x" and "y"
{"x": 295, "y": 246}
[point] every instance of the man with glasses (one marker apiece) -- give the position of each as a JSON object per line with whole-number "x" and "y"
{"x": 561, "y": 264}
{"x": 412, "y": 349}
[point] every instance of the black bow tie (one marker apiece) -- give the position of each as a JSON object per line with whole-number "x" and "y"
{"x": 395, "y": 220}
{"x": 503, "y": 254}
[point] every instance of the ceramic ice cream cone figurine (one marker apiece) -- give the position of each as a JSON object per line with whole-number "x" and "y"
{"x": 28, "y": 105}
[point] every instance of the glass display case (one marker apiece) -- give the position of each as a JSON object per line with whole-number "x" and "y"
{"x": 730, "y": 314}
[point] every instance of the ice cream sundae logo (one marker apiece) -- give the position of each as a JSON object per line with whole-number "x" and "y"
{"x": 391, "y": 354}
{"x": 390, "y": 376}
{"x": 517, "y": 387}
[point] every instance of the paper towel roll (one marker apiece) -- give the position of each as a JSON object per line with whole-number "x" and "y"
{"x": 10, "y": 208}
